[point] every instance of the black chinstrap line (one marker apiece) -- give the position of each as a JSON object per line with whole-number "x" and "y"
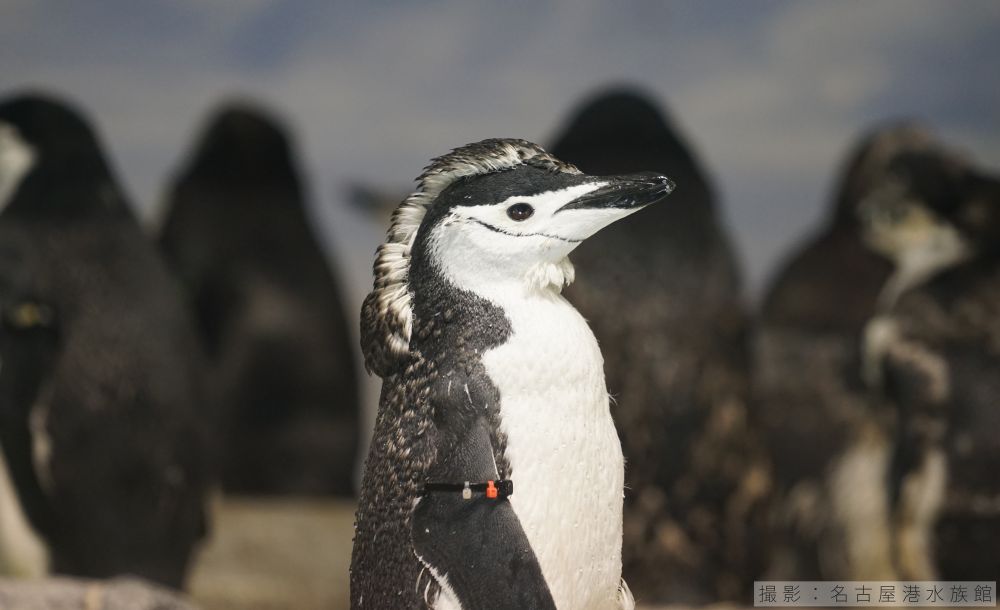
{"x": 499, "y": 230}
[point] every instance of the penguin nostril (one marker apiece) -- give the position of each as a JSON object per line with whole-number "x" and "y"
{"x": 520, "y": 211}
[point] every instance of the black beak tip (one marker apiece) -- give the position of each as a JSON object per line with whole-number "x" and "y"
{"x": 658, "y": 186}
{"x": 654, "y": 181}
{"x": 667, "y": 184}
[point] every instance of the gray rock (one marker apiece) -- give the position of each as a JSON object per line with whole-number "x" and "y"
{"x": 73, "y": 594}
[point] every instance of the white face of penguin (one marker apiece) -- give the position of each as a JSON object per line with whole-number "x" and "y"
{"x": 16, "y": 160}
{"x": 904, "y": 228}
{"x": 522, "y": 236}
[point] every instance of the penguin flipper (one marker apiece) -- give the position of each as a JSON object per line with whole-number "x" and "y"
{"x": 475, "y": 548}
{"x": 916, "y": 379}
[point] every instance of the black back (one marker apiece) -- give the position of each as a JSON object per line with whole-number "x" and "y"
{"x": 661, "y": 292}
{"x": 99, "y": 354}
{"x": 269, "y": 307}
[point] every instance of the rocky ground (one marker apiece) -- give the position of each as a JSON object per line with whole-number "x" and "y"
{"x": 263, "y": 554}
{"x": 71, "y": 594}
{"x": 276, "y": 555}
{"x": 279, "y": 555}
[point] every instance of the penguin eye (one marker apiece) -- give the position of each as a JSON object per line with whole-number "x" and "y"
{"x": 520, "y": 211}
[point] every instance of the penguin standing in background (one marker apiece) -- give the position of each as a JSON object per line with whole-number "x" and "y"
{"x": 271, "y": 315}
{"x": 662, "y": 293}
{"x": 831, "y": 450}
{"x": 495, "y": 476}
{"x": 101, "y": 405}
{"x": 933, "y": 355}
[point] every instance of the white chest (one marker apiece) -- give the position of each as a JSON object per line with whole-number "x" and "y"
{"x": 564, "y": 452}
{"x": 23, "y": 553}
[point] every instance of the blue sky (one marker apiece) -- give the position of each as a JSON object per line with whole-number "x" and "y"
{"x": 770, "y": 92}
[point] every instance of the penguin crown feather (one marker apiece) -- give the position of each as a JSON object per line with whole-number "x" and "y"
{"x": 387, "y": 314}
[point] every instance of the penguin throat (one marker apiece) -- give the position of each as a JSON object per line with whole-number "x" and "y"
{"x": 943, "y": 249}
{"x": 549, "y": 276}
{"x": 457, "y": 256}
{"x": 540, "y": 278}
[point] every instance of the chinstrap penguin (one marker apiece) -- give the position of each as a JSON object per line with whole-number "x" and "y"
{"x": 661, "y": 291}
{"x": 491, "y": 377}
{"x": 237, "y": 233}
{"x": 932, "y": 354}
{"x": 102, "y": 410}
{"x": 831, "y": 450}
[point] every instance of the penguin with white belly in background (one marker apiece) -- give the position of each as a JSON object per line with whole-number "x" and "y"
{"x": 831, "y": 446}
{"x": 933, "y": 356}
{"x": 103, "y": 420}
{"x": 495, "y": 475}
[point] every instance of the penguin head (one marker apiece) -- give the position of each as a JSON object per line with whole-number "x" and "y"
{"x": 871, "y": 163}
{"x": 520, "y": 222}
{"x": 496, "y": 211}
{"x": 931, "y": 206}
{"x": 898, "y": 218}
{"x": 242, "y": 144}
{"x": 46, "y": 146}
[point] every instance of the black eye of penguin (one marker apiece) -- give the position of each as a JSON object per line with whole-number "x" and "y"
{"x": 520, "y": 211}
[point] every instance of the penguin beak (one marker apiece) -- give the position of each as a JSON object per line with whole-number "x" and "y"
{"x": 629, "y": 192}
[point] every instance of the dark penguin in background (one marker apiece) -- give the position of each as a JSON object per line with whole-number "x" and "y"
{"x": 238, "y": 235}
{"x": 830, "y": 449}
{"x": 495, "y": 476}
{"x": 101, "y": 402}
{"x": 662, "y": 293}
{"x": 933, "y": 354}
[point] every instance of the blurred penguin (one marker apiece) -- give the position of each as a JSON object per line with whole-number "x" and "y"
{"x": 934, "y": 355}
{"x": 238, "y": 235}
{"x": 830, "y": 448}
{"x": 102, "y": 416}
{"x": 662, "y": 295}
{"x": 28, "y": 347}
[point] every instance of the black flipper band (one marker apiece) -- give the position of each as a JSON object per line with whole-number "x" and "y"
{"x": 494, "y": 490}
